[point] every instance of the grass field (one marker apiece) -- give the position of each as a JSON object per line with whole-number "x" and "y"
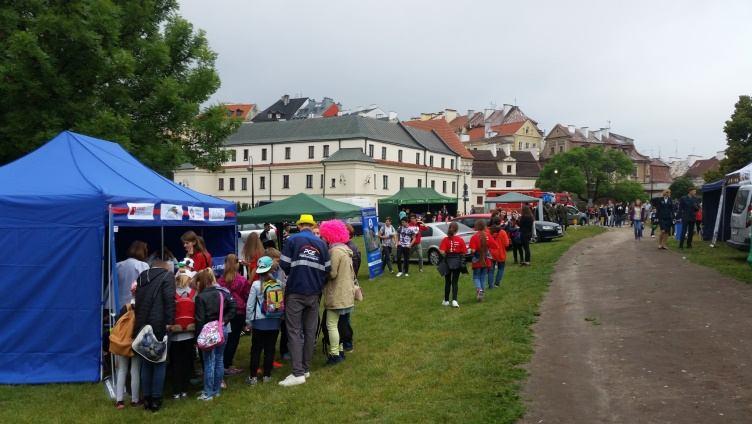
{"x": 723, "y": 258}
{"x": 414, "y": 361}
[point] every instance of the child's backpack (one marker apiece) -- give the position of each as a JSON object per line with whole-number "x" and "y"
{"x": 185, "y": 309}
{"x": 273, "y": 305}
{"x": 121, "y": 335}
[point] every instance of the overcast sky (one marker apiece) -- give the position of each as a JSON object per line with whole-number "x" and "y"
{"x": 666, "y": 73}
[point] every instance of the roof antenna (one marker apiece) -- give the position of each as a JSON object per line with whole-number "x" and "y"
{"x": 609, "y": 124}
{"x": 515, "y": 101}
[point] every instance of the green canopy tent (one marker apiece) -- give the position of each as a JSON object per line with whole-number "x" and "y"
{"x": 417, "y": 199}
{"x": 291, "y": 208}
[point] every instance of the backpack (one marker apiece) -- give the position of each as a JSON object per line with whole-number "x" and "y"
{"x": 121, "y": 335}
{"x": 273, "y": 305}
{"x": 185, "y": 309}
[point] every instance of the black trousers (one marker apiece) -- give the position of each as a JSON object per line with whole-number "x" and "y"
{"x": 526, "y": 248}
{"x": 688, "y": 231}
{"x": 181, "y": 364}
{"x": 403, "y": 259}
{"x": 345, "y": 331}
{"x": 386, "y": 258}
{"x": 450, "y": 282}
{"x": 263, "y": 341}
{"x": 283, "y": 339}
{"x": 236, "y": 325}
{"x": 517, "y": 247}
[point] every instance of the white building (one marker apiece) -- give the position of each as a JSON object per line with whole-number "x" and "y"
{"x": 339, "y": 157}
{"x": 501, "y": 170}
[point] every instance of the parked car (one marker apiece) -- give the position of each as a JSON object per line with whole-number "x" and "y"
{"x": 740, "y": 218}
{"x": 245, "y": 230}
{"x": 432, "y": 236}
{"x": 544, "y": 230}
{"x": 574, "y": 216}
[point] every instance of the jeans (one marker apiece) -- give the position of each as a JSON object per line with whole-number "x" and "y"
{"x": 637, "y": 228}
{"x": 687, "y": 233}
{"x": 302, "y": 319}
{"x": 386, "y": 258}
{"x": 214, "y": 368}
{"x": 152, "y": 379}
{"x": 181, "y": 364}
{"x": 123, "y": 364}
{"x": 403, "y": 259}
{"x": 263, "y": 341}
{"x": 451, "y": 281}
{"x": 499, "y": 273}
{"x": 480, "y": 275}
{"x": 419, "y": 249}
{"x": 236, "y": 327}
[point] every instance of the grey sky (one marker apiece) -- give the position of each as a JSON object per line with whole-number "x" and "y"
{"x": 666, "y": 73}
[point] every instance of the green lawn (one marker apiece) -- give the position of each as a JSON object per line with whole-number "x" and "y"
{"x": 723, "y": 258}
{"x": 414, "y": 361}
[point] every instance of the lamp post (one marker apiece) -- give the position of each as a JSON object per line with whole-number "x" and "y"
{"x": 253, "y": 185}
{"x": 556, "y": 179}
{"x": 467, "y": 169}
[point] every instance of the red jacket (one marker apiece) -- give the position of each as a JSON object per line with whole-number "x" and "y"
{"x": 421, "y": 228}
{"x": 491, "y": 244}
{"x": 500, "y": 253}
{"x": 201, "y": 260}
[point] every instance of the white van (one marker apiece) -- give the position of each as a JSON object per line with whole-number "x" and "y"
{"x": 740, "y": 218}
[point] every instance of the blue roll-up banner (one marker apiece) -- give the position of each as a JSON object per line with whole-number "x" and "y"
{"x": 371, "y": 240}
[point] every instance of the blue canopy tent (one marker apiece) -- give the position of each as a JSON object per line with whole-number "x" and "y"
{"x": 61, "y": 207}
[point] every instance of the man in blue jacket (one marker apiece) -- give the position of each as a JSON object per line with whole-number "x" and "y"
{"x": 305, "y": 260}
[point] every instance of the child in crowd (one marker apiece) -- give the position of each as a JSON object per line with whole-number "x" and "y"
{"x": 125, "y": 363}
{"x": 195, "y": 248}
{"x": 261, "y": 321}
{"x": 499, "y": 254}
{"x": 453, "y": 248}
{"x": 481, "y": 246}
{"x": 253, "y": 249}
{"x": 516, "y": 237}
{"x": 239, "y": 287}
{"x": 182, "y": 335}
{"x": 279, "y": 274}
{"x": 405, "y": 236}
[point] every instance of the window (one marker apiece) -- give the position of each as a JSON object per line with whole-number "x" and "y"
{"x": 232, "y": 184}
{"x": 451, "y": 163}
{"x": 221, "y": 184}
{"x": 287, "y": 153}
{"x": 244, "y": 184}
{"x": 383, "y": 153}
{"x": 402, "y": 183}
{"x": 430, "y": 161}
{"x": 509, "y": 169}
{"x": 310, "y": 152}
{"x": 493, "y": 183}
{"x": 399, "y": 155}
{"x": 334, "y": 183}
{"x": 245, "y": 155}
{"x": 386, "y": 182}
{"x": 561, "y": 149}
{"x": 509, "y": 184}
{"x": 233, "y": 155}
{"x": 263, "y": 155}
{"x": 527, "y": 145}
{"x": 433, "y": 184}
{"x": 309, "y": 181}
{"x": 454, "y": 187}
{"x": 634, "y": 172}
{"x": 285, "y": 181}
{"x": 442, "y": 162}
{"x": 370, "y": 150}
{"x": 326, "y": 155}
{"x": 740, "y": 202}
{"x": 417, "y": 158}
{"x": 480, "y": 183}
{"x": 420, "y": 182}
{"x": 262, "y": 183}
{"x": 520, "y": 145}
{"x": 443, "y": 186}
{"x": 479, "y": 201}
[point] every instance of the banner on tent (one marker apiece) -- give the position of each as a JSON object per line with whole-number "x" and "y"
{"x": 371, "y": 240}
{"x": 155, "y": 214}
{"x": 195, "y": 213}
{"x": 171, "y": 212}
{"x": 141, "y": 211}
{"x": 216, "y": 214}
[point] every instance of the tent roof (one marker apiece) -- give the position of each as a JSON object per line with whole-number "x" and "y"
{"x": 291, "y": 208}
{"x": 417, "y": 196}
{"x": 73, "y": 165}
{"x": 712, "y": 186}
{"x": 512, "y": 198}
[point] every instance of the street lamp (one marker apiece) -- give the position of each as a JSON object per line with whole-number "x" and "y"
{"x": 556, "y": 179}
{"x": 467, "y": 169}
{"x": 253, "y": 185}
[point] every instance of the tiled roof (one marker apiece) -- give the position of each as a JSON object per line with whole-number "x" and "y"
{"x": 287, "y": 111}
{"x": 240, "y": 110}
{"x": 349, "y": 154}
{"x": 660, "y": 172}
{"x": 700, "y": 167}
{"x": 485, "y": 163}
{"x": 479, "y": 133}
{"x": 515, "y": 114}
{"x": 444, "y": 131}
{"x": 458, "y": 123}
{"x": 429, "y": 140}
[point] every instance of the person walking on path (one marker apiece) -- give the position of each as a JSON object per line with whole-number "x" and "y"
{"x": 527, "y": 223}
{"x": 687, "y": 213}
{"x": 481, "y": 246}
{"x": 637, "y": 215}
{"x": 665, "y": 215}
{"x": 305, "y": 260}
{"x": 387, "y": 235}
{"x": 453, "y": 249}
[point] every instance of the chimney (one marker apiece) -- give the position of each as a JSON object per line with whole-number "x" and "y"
{"x": 487, "y": 131}
{"x": 604, "y": 133}
{"x": 584, "y": 131}
{"x": 571, "y": 129}
{"x": 450, "y": 115}
{"x": 507, "y": 147}
{"x": 470, "y": 113}
{"x": 487, "y": 112}
{"x": 392, "y": 116}
{"x": 507, "y": 108}
{"x": 286, "y": 99}
{"x": 493, "y": 149}
{"x": 597, "y": 134}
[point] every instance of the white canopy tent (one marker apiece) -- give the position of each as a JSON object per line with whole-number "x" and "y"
{"x": 734, "y": 179}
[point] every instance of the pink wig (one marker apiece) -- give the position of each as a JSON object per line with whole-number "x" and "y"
{"x": 334, "y": 231}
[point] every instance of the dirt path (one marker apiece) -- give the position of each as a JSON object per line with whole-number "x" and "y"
{"x": 631, "y": 334}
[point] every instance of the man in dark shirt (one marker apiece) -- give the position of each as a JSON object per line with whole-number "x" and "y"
{"x": 687, "y": 209}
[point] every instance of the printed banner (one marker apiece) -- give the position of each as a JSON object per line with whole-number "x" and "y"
{"x": 171, "y": 212}
{"x": 195, "y": 213}
{"x": 216, "y": 214}
{"x": 371, "y": 240}
{"x": 141, "y": 211}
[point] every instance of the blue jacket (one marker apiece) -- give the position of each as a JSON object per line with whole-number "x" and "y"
{"x": 305, "y": 260}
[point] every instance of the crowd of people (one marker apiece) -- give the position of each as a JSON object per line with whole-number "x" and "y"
{"x": 175, "y": 315}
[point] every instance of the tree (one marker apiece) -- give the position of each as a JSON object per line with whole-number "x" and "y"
{"x": 680, "y": 187}
{"x": 713, "y": 175}
{"x": 738, "y": 131}
{"x": 627, "y": 191}
{"x": 131, "y": 72}
{"x": 589, "y": 172}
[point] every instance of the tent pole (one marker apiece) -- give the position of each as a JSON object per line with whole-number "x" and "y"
{"x": 161, "y": 246}
{"x": 719, "y": 216}
{"x": 112, "y": 292}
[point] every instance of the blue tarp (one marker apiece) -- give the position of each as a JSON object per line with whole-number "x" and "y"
{"x": 54, "y": 219}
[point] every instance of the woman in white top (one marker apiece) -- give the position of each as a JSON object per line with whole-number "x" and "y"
{"x": 638, "y": 217}
{"x": 387, "y": 235}
{"x": 129, "y": 270}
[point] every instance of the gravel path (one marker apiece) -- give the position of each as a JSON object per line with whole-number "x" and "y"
{"x": 631, "y": 334}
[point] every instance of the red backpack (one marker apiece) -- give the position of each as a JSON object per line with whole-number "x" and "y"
{"x": 185, "y": 309}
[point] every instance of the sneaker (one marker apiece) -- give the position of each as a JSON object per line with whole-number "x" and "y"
{"x": 233, "y": 371}
{"x": 223, "y": 384}
{"x": 276, "y": 364}
{"x": 445, "y": 303}
{"x": 399, "y": 274}
{"x": 176, "y": 396}
{"x": 120, "y": 405}
{"x": 334, "y": 359}
{"x": 407, "y": 275}
{"x": 251, "y": 381}
{"x": 267, "y": 379}
{"x": 204, "y": 397}
{"x": 342, "y": 354}
{"x": 420, "y": 270}
{"x": 307, "y": 374}
{"x": 479, "y": 295}
{"x": 292, "y": 380}
{"x": 455, "y": 304}
{"x": 136, "y": 403}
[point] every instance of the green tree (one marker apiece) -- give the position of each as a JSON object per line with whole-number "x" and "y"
{"x": 680, "y": 187}
{"x": 131, "y": 72}
{"x": 589, "y": 172}
{"x": 627, "y": 191}
{"x": 713, "y": 175}
{"x": 738, "y": 131}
